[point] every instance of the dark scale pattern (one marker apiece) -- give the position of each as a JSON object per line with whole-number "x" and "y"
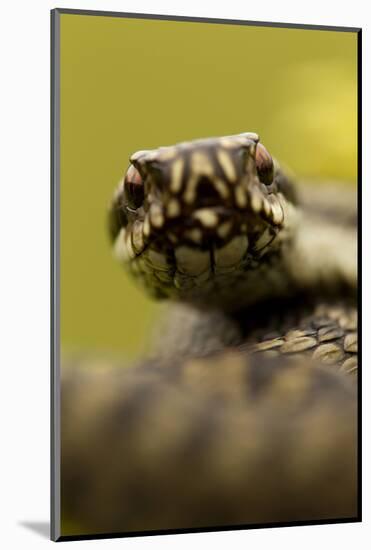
{"x": 326, "y": 333}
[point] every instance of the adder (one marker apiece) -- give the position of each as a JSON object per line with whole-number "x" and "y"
{"x": 245, "y": 412}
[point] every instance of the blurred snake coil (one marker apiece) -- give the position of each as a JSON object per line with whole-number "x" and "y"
{"x": 245, "y": 412}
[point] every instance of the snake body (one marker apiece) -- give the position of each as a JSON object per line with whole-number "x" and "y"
{"x": 245, "y": 412}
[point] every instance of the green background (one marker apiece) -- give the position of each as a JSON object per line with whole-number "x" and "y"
{"x": 129, "y": 84}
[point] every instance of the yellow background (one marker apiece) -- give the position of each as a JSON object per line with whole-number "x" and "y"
{"x": 129, "y": 84}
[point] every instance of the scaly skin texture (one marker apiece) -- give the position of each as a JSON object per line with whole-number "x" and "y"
{"x": 241, "y": 415}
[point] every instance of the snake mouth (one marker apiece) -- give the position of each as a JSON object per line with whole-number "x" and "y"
{"x": 204, "y": 228}
{"x": 216, "y": 224}
{"x": 172, "y": 249}
{"x": 183, "y": 261}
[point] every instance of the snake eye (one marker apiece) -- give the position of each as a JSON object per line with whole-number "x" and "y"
{"x": 134, "y": 188}
{"x": 264, "y": 164}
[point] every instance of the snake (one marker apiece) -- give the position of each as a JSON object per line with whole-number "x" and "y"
{"x": 244, "y": 413}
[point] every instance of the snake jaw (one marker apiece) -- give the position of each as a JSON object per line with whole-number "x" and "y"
{"x": 219, "y": 223}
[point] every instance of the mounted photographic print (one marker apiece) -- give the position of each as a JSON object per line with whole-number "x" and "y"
{"x": 204, "y": 274}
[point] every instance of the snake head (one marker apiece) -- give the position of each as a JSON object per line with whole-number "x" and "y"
{"x": 206, "y": 206}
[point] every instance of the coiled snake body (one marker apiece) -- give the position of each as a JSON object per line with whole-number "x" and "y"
{"x": 246, "y": 411}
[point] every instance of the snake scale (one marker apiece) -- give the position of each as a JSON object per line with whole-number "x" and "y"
{"x": 245, "y": 412}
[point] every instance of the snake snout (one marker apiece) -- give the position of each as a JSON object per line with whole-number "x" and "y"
{"x": 207, "y": 194}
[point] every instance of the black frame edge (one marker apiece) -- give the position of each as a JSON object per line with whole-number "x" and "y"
{"x": 225, "y": 528}
{"x": 54, "y": 276}
{"x": 133, "y": 15}
{"x": 359, "y": 264}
